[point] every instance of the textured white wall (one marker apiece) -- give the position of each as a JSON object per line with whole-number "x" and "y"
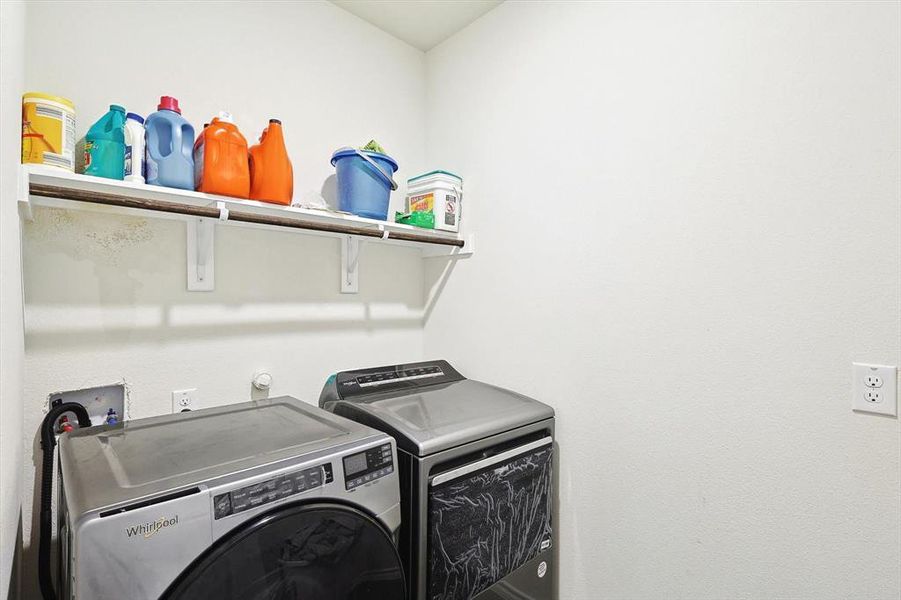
{"x": 105, "y": 295}
{"x": 12, "y": 69}
{"x": 687, "y": 220}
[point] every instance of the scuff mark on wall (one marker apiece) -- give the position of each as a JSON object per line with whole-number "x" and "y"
{"x": 101, "y": 238}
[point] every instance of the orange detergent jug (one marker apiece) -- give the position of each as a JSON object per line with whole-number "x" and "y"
{"x": 220, "y": 159}
{"x": 271, "y": 173}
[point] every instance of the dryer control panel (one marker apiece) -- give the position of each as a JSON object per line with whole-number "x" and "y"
{"x": 271, "y": 490}
{"x": 366, "y": 466}
{"x": 391, "y": 378}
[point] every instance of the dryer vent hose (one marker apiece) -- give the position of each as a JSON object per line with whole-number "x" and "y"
{"x": 48, "y": 446}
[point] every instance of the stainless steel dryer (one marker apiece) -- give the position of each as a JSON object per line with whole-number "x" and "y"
{"x": 273, "y": 499}
{"x": 476, "y": 476}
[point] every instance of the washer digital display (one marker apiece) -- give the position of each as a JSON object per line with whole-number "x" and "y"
{"x": 363, "y": 467}
{"x": 355, "y": 464}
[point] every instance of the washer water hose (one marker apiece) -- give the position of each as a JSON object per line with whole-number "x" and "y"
{"x": 48, "y": 446}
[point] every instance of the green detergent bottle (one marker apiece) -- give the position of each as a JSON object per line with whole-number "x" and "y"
{"x": 104, "y": 145}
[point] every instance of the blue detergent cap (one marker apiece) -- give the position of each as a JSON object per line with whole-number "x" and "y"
{"x": 135, "y": 117}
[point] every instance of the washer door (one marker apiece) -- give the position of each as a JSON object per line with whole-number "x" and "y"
{"x": 297, "y": 552}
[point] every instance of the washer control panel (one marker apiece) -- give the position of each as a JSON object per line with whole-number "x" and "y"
{"x": 366, "y": 466}
{"x": 271, "y": 490}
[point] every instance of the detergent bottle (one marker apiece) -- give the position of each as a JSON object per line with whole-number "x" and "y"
{"x": 220, "y": 159}
{"x": 134, "y": 148}
{"x": 104, "y": 145}
{"x": 170, "y": 147}
{"x": 271, "y": 173}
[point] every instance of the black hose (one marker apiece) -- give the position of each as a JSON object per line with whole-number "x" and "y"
{"x": 48, "y": 445}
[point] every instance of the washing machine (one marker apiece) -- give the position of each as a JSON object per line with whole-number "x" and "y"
{"x": 476, "y": 465}
{"x": 273, "y": 499}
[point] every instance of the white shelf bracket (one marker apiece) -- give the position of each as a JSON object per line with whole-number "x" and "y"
{"x": 223, "y": 210}
{"x": 350, "y": 262}
{"x": 201, "y": 256}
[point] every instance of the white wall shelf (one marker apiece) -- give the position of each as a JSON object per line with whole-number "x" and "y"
{"x": 55, "y": 188}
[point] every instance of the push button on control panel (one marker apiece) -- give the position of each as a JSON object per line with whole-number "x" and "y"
{"x": 364, "y": 467}
{"x": 264, "y": 492}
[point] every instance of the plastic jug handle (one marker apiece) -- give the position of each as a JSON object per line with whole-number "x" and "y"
{"x": 378, "y": 169}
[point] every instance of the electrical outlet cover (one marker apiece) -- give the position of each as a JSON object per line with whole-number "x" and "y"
{"x": 184, "y": 400}
{"x": 875, "y": 389}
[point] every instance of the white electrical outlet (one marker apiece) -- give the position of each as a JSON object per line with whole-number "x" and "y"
{"x": 184, "y": 400}
{"x": 875, "y": 389}
{"x": 873, "y": 396}
{"x": 873, "y": 380}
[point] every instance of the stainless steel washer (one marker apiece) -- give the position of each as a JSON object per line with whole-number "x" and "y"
{"x": 268, "y": 499}
{"x": 476, "y": 473}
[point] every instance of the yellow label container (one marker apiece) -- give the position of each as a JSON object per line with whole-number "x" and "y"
{"x": 420, "y": 203}
{"x": 48, "y": 131}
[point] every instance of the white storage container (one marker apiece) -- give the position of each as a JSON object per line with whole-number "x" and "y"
{"x": 440, "y": 192}
{"x": 134, "y": 148}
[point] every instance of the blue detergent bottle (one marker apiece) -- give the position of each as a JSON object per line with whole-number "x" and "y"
{"x": 104, "y": 145}
{"x": 170, "y": 147}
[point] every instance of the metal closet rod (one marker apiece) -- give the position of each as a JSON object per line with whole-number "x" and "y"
{"x": 211, "y": 212}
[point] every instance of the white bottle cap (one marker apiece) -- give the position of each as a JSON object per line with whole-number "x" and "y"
{"x": 225, "y": 117}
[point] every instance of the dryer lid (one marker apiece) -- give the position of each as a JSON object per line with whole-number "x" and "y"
{"x": 426, "y": 417}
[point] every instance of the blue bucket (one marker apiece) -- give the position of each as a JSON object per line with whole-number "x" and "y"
{"x": 364, "y": 182}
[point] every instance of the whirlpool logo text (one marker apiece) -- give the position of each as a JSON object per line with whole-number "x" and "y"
{"x": 148, "y": 530}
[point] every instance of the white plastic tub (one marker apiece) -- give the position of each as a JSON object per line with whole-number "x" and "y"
{"x": 438, "y": 191}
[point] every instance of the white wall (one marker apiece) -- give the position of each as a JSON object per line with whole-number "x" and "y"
{"x": 687, "y": 220}
{"x": 12, "y": 65}
{"x": 105, "y": 295}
